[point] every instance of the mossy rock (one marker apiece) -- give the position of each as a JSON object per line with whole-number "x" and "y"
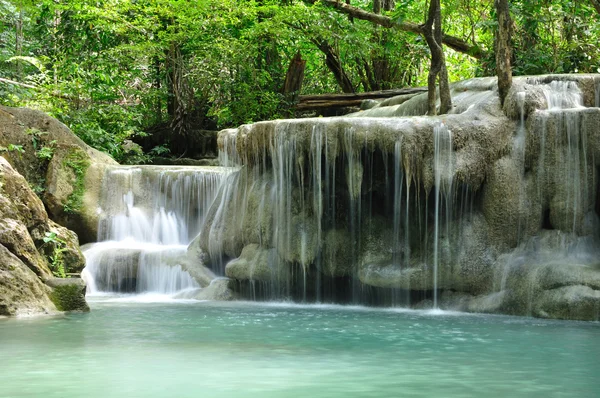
{"x": 69, "y": 181}
{"x": 68, "y": 294}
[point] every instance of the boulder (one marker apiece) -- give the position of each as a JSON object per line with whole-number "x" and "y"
{"x": 32, "y": 249}
{"x": 21, "y": 291}
{"x": 218, "y": 290}
{"x": 67, "y": 174}
{"x": 568, "y": 302}
{"x": 112, "y": 269}
{"x": 68, "y": 294}
{"x": 256, "y": 263}
{"x": 553, "y": 275}
{"x": 26, "y": 230}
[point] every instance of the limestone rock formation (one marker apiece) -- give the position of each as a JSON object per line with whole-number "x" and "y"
{"x": 256, "y": 263}
{"x": 21, "y": 291}
{"x": 32, "y": 248}
{"x": 217, "y": 290}
{"x": 471, "y": 210}
{"x": 148, "y": 216}
{"x": 67, "y": 175}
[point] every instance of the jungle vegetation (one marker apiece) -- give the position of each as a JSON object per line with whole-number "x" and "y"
{"x": 159, "y": 71}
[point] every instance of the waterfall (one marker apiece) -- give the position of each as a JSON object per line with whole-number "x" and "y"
{"x": 400, "y": 253}
{"x": 563, "y": 155}
{"x": 390, "y": 210}
{"x": 562, "y": 94}
{"x": 148, "y": 216}
{"x": 444, "y": 176}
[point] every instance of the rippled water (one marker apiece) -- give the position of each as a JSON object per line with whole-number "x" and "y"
{"x": 208, "y": 349}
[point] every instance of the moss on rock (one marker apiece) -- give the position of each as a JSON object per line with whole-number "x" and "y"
{"x": 68, "y": 294}
{"x": 68, "y": 177}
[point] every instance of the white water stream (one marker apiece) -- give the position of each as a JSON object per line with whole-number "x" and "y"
{"x": 148, "y": 216}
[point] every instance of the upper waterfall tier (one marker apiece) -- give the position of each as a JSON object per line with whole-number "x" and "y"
{"x": 389, "y": 206}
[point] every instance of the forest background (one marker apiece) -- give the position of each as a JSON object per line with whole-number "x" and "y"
{"x": 163, "y": 73}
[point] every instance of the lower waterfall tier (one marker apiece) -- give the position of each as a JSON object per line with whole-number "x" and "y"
{"x": 129, "y": 267}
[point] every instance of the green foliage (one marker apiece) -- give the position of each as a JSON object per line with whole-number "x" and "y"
{"x": 551, "y": 37}
{"x": 36, "y": 136}
{"x": 105, "y": 127}
{"x": 113, "y": 70}
{"x": 57, "y": 263}
{"x": 13, "y": 148}
{"x": 46, "y": 152}
{"x": 79, "y": 163}
{"x": 160, "y": 150}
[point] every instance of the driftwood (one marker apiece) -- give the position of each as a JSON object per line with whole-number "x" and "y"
{"x": 324, "y": 101}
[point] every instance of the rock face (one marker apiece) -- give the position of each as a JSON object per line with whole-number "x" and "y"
{"x": 60, "y": 167}
{"x": 471, "y": 210}
{"x": 21, "y": 291}
{"x": 32, "y": 248}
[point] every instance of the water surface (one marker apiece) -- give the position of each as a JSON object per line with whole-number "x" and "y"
{"x": 141, "y": 348}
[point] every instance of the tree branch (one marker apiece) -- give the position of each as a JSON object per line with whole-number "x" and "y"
{"x": 596, "y": 4}
{"x": 14, "y": 83}
{"x": 25, "y": 85}
{"x": 451, "y": 41}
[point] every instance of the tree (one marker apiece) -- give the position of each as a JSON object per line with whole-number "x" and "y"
{"x": 503, "y": 49}
{"x": 432, "y": 30}
{"x": 453, "y": 42}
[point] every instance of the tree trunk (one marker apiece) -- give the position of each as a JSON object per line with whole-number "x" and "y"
{"x": 596, "y": 4}
{"x": 294, "y": 77}
{"x": 379, "y": 69}
{"x": 503, "y": 49}
{"x": 19, "y": 41}
{"x": 445, "y": 97}
{"x": 332, "y": 60}
{"x": 350, "y": 18}
{"x": 170, "y": 65}
{"x": 432, "y": 30}
{"x": 156, "y": 86}
{"x": 377, "y": 6}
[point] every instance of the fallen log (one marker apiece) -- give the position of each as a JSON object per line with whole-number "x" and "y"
{"x": 324, "y": 101}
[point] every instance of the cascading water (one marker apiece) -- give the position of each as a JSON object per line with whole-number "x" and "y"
{"x": 444, "y": 176}
{"x": 335, "y": 219}
{"x": 562, "y": 95}
{"x": 149, "y": 215}
{"x": 389, "y": 207}
{"x": 563, "y": 152}
{"x": 379, "y": 210}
